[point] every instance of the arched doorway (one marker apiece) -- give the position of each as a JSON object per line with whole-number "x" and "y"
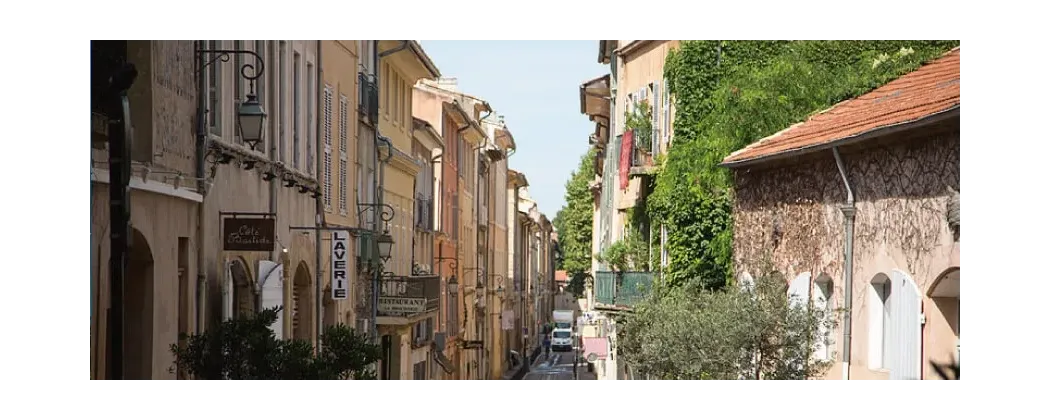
{"x": 243, "y": 293}
{"x": 944, "y": 330}
{"x": 302, "y": 303}
{"x": 138, "y": 310}
{"x": 330, "y": 315}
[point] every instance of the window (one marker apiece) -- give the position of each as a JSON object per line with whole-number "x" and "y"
{"x": 395, "y": 83}
{"x": 296, "y": 107}
{"x": 311, "y": 102}
{"x": 562, "y": 334}
{"x": 878, "y": 321}
{"x": 327, "y": 147}
{"x": 215, "y": 92}
{"x": 282, "y": 54}
{"x": 343, "y": 104}
{"x": 386, "y": 82}
{"x": 419, "y": 371}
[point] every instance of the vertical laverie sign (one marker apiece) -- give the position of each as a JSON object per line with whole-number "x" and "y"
{"x": 340, "y": 265}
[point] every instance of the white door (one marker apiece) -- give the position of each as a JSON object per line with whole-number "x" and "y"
{"x": 272, "y": 285}
{"x": 905, "y": 330}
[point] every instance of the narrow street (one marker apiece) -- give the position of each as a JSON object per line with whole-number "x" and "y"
{"x": 558, "y": 367}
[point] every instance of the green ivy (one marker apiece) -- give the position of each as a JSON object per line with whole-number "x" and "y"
{"x": 728, "y": 94}
{"x": 641, "y": 121}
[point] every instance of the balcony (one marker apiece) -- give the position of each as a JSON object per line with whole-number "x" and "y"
{"x": 407, "y": 299}
{"x": 623, "y": 292}
{"x": 368, "y": 97}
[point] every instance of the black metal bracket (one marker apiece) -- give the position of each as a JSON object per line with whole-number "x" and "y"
{"x": 234, "y": 214}
{"x": 386, "y": 211}
{"x": 453, "y": 261}
{"x": 224, "y": 55}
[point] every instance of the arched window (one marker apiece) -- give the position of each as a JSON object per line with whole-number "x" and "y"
{"x": 823, "y": 299}
{"x": 879, "y": 290}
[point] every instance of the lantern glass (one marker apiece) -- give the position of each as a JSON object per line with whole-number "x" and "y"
{"x": 250, "y": 120}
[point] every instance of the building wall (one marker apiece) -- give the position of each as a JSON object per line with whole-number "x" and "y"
{"x": 238, "y": 190}
{"x": 163, "y": 213}
{"x": 338, "y": 111}
{"x": 901, "y": 184}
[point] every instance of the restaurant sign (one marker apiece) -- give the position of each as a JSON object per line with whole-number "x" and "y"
{"x": 248, "y": 234}
{"x": 400, "y": 305}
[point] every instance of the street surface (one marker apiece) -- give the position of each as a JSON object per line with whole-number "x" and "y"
{"x": 558, "y": 367}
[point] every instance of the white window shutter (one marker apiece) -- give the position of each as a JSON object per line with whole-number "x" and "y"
{"x": 798, "y": 290}
{"x": 272, "y": 284}
{"x": 656, "y": 109}
{"x": 905, "y": 329}
{"x": 227, "y": 291}
{"x": 667, "y": 113}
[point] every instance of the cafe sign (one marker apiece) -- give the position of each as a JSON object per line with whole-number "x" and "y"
{"x": 248, "y": 234}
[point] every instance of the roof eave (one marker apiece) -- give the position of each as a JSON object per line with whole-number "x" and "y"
{"x": 867, "y": 135}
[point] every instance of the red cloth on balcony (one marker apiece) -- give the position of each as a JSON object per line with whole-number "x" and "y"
{"x": 596, "y": 345}
{"x": 626, "y": 147}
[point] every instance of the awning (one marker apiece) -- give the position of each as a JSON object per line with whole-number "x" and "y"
{"x": 443, "y": 361}
{"x": 596, "y": 345}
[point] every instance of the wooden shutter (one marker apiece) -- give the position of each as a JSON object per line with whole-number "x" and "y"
{"x": 798, "y": 290}
{"x": 666, "y": 118}
{"x": 905, "y": 329}
{"x": 272, "y": 292}
{"x": 822, "y": 293}
{"x": 656, "y": 109}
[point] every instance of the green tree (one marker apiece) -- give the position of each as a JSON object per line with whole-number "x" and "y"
{"x": 752, "y": 332}
{"x": 246, "y": 348}
{"x": 574, "y": 220}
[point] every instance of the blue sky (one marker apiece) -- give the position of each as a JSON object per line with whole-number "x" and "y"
{"x": 535, "y": 85}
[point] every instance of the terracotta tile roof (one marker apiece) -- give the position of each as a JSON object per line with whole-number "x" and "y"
{"x": 929, "y": 90}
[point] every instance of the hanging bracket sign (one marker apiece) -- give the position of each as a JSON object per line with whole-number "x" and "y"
{"x": 340, "y": 265}
{"x": 247, "y": 233}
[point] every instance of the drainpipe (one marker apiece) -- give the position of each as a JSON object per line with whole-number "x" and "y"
{"x": 848, "y": 213}
{"x": 275, "y": 70}
{"x": 318, "y": 203}
{"x": 202, "y": 186}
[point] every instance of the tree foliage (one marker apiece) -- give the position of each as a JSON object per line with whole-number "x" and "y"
{"x": 728, "y": 94}
{"x": 574, "y": 220}
{"x": 246, "y": 348}
{"x": 750, "y": 332}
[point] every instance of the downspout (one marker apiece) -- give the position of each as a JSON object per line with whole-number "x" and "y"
{"x": 848, "y": 213}
{"x": 202, "y": 187}
{"x": 278, "y": 127}
{"x": 319, "y": 220}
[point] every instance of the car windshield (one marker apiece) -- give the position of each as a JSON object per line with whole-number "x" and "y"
{"x": 561, "y": 325}
{"x": 562, "y": 334}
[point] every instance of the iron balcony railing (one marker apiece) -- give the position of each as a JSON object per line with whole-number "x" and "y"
{"x": 624, "y": 289}
{"x": 406, "y": 296}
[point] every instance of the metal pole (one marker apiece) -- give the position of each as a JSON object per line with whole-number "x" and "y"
{"x": 120, "y": 209}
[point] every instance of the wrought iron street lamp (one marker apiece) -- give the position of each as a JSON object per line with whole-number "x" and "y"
{"x": 250, "y": 120}
{"x": 251, "y": 117}
{"x": 453, "y": 284}
{"x": 385, "y": 243}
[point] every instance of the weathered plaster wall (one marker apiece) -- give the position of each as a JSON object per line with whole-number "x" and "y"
{"x": 791, "y": 215}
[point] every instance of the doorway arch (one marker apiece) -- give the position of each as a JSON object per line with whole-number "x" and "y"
{"x": 302, "y": 303}
{"x": 138, "y": 309}
{"x": 243, "y": 292}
